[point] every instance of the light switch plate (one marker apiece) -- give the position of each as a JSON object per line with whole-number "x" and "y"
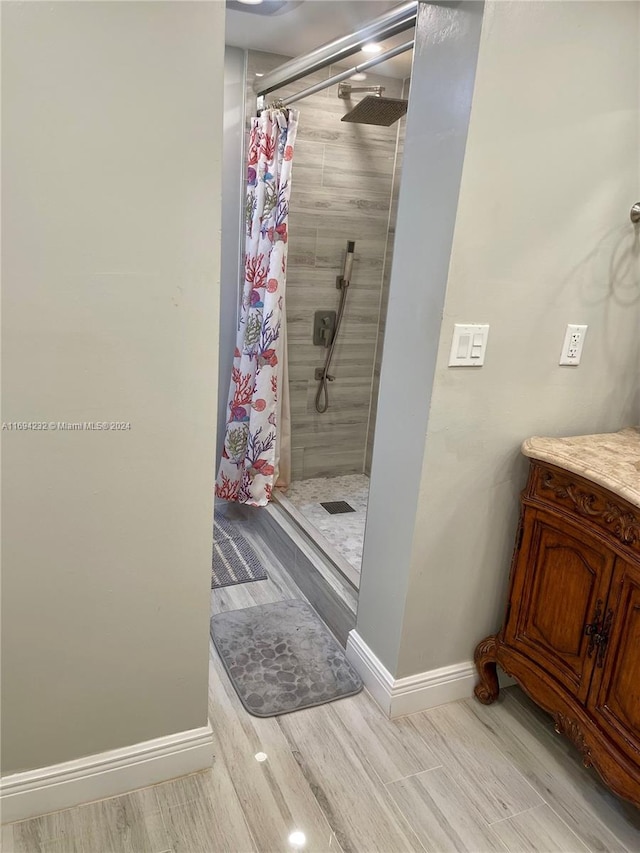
{"x": 469, "y": 345}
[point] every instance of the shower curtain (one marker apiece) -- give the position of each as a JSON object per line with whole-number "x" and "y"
{"x": 256, "y": 450}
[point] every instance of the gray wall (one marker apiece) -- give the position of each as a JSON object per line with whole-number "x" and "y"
{"x": 111, "y": 161}
{"x": 341, "y": 190}
{"x": 439, "y": 108}
{"x": 569, "y": 255}
{"x": 542, "y": 238}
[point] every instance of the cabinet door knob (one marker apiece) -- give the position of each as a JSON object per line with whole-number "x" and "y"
{"x": 602, "y": 638}
{"x": 592, "y": 629}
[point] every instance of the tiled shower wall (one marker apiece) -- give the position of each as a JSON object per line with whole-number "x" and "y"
{"x": 341, "y": 190}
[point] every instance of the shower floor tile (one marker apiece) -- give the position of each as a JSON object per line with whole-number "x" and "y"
{"x": 345, "y": 531}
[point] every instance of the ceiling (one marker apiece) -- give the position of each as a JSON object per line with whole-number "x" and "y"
{"x": 299, "y": 27}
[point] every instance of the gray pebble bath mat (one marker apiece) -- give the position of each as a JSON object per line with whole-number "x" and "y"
{"x": 281, "y": 658}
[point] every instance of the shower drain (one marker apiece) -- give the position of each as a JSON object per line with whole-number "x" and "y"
{"x": 334, "y": 507}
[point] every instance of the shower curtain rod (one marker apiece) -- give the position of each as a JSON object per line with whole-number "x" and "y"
{"x": 389, "y": 24}
{"x": 343, "y": 75}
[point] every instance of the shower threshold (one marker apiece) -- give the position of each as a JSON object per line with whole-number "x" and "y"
{"x": 319, "y": 543}
{"x": 331, "y": 593}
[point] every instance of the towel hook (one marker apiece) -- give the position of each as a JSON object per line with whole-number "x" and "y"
{"x": 635, "y": 213}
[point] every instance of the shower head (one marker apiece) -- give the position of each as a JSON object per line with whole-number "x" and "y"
{"x": 376, "y": 109}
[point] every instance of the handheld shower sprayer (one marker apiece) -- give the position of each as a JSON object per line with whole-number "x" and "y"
{"x": 344, "y": 280}
{"x": 322, "y": 373}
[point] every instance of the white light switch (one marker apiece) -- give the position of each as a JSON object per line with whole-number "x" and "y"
{"x": 572, "y": 346}
{"x": 463, "y": 346}
{"x": 468, "y": 346}
{"x": 476, "y": 345}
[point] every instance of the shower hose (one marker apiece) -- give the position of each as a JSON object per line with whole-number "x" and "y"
{"x": 322, "y": 395}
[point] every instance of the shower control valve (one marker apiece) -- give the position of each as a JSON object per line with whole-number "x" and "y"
{"x": 324, "y": 327}
{"x": 319, "y": 374}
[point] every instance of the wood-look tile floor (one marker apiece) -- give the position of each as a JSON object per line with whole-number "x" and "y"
{"x": 461, "y": 777}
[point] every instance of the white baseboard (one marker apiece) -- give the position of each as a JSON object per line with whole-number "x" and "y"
{"x": 106, "y": 774}
{"x": 377, "y": 679}
{"x": 400, "y": 696}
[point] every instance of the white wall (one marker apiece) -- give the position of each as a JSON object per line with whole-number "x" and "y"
{"x": 542, "y": 239}
{"x": 111, "y": 157}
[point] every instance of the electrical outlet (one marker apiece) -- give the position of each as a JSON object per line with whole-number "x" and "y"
{"x": 573, "y": 343}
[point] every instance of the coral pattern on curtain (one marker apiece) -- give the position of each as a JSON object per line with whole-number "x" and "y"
{"x": 249, "y": 465}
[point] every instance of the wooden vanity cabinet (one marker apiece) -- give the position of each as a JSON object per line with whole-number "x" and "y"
{"x": 615, "y": 692}
{"x": 571, "y": 634}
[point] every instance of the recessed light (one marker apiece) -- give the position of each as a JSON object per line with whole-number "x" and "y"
{"x": 259, "y": 73}
{"x": 260, "y": 756}
{"x": 297, "y": 839}
{"x": 371, "y": 47}
{"x": 359, "y": 76}
{"x": 250, "y": 2}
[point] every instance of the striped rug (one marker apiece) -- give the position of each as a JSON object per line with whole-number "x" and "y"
{"x": 234, "y": 560}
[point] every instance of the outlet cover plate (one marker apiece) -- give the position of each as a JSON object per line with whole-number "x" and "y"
{"x": 573, "y": 343}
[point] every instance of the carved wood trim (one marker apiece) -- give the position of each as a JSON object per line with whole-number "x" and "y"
{"x": 625, "y": 526}
{"x": 582, "y": 501}
{"x": 619, "y": 521}
{"x": 486, "y": 648}
{"x": 485, "y": 658}
{"x": 570, "y": 728}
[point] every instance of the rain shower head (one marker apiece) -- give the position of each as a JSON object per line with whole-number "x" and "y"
{"x": 375, "y": 109}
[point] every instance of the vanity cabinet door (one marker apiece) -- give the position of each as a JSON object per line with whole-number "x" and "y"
{"x": 616, "y": 688}
{"x": 560, "y": 585}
